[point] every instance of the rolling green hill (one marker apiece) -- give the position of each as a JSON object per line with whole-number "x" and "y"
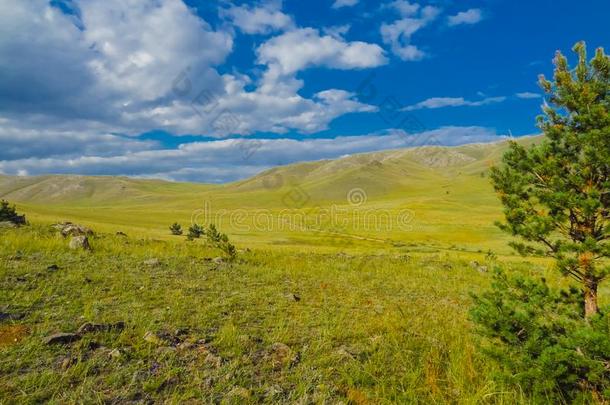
{"x": 324, "y": 307}
{"x": 445, "y": 190}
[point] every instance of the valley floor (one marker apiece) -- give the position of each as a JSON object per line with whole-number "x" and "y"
{"x": 272, "y": 327}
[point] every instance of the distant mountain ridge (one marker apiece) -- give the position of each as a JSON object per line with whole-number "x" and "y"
{"x": 379, "y": 173}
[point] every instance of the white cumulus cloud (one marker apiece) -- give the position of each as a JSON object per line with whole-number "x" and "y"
{"x": 305, "y": 47}
{"x": 472, "y": 16}
{"x": 263, "y": 18}
{"x": 528, "y": 95}
{"x": 344, "y": 3}
{"x": 131, "y": 66}
{"x": 398, "y": 33}
{"x": 233, "y": 159}
{"x": 441, "y": 102}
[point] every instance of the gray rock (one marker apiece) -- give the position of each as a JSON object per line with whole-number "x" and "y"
{"x": 80, "y": 242}
{"x": 293, "y": 297}
{"x": 280, "y": 355}
{"x": 477, "y": 266}
{"x": 239, "y": 393}
{"x": 345, "y": 353}
{"x": 274, "y": 391}
{"x": 5, "y": 316}
{"x": 100, "y": 327}
{"x": 8, "y": 224}
{"x": 162, "y": 338}
{"x": 67, "y": 362}
{"x": 69, "y": 229}
{"x": 151, "y": 337}
{"x": 213, "y": 360}
{"x": 61, "y": 338}
{"x": 154, "y": 262}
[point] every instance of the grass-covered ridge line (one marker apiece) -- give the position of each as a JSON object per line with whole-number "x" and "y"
{"x": 446, "y": 188}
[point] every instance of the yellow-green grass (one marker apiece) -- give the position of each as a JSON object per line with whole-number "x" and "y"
{"x": 446, "y": 190}
{"x": 384, "y": 328}
{"x": 382, "y": 315}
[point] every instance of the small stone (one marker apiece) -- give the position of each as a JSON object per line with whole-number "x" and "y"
{"x": 122, "y": 234}
{"x": 5, "y": 316}
{"x": 482, "y": 269}
{"x": 154, "y": 262}
{"x": 165, "y": 350}
{"x": 281, "y": 355}
{"x": 8, "y": 224}
{"x": 61, "y": 338}
{"x": 293, "y": 297}
{"x": 162, "y": 339}
{"x": 239, "y": 392}
{"x": 80, "y": 242}
{"x": 273, "y": 391}
{"x": 185, "y": 346}
{"x": 69, "y": 229}
{"x": 115, "y": 354}
{"x": 153, "y": 338}
{"x": 96, "y": 327}
{"x": 67, "y": 362}
{"x": 213, "y": 360}
{"x": 53, "y": 267}
{"x": 218, "y": 260}
{"x": 181, "y": 332}
{"x": 345, "y": 353}
{"x": 93, "y": 345}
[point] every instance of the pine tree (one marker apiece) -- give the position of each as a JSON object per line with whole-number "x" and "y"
{"x": 176, "y": 229}
{"x": 8, "y": 213}
{"x": 221, "y": 241}
{"x": 556, "y": 195}
{"x": 540, "y": 341}
{"x": 196, "y": 231}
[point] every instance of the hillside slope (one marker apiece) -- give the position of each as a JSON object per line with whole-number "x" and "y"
{"x": 379, "y": 173}
{"x": 446, "y": 188}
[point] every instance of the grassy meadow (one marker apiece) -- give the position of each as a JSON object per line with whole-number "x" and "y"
{"x": 327, "y": 312}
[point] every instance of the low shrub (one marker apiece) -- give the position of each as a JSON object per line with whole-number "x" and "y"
{"x": 195, "y": 232}
{"x": 175, "y": 229}
{"x": 8, "y": 213}
{"x": 221, "y": 241}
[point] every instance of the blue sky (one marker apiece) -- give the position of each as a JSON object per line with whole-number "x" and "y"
{"x": 214, "y": 91}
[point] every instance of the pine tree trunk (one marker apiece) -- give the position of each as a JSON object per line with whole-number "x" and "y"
{"x": 590, "y": 297}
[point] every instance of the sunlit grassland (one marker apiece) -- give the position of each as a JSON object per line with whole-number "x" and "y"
{"x": 382, "y": 308}
{"x": 458, "y": 216}
{"x": 446, "y": 190}
{"x": 367, "y": 328}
